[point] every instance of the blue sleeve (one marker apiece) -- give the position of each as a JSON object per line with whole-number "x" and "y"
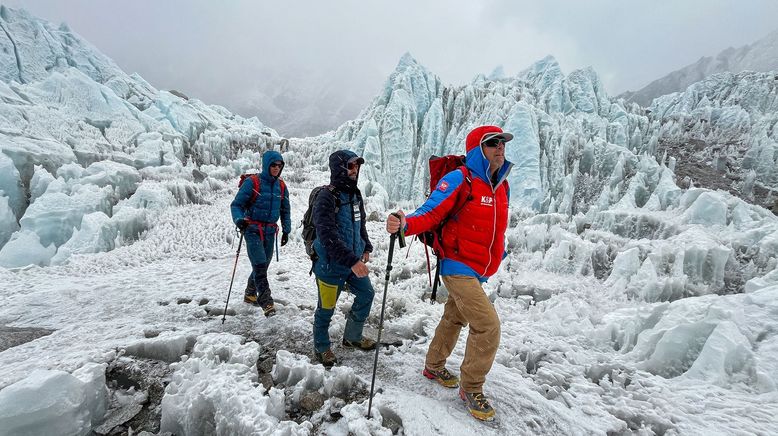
{"x": 241, "y": 201}
{"x": 286, "y": 220}
{"x": 326, "y": 222}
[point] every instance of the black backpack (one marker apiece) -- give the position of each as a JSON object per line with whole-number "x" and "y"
{"x": 309, "y": 229}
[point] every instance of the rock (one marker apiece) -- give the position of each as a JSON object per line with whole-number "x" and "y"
{"x": 198, "y": 175}
{"x": 13, "y": 336}
{"x": 266, "y": 366}
{"x": 312, "y": 401}
{"x": 266, "y": 380}
{"x": 117, "y": 417}
{"x": 218, "y": 311}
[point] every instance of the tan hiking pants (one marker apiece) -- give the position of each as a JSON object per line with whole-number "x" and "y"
{"x": 467, "y": 304}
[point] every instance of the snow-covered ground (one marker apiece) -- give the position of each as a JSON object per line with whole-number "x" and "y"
{"x": 561, "y": 369}
{"x": 629, "y": 304}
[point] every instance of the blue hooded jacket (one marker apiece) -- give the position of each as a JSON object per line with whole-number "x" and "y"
{"x": 269, "y": 205}
{"x": 341, "y": 238}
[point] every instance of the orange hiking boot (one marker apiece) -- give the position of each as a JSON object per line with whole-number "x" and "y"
{"x": 442, "y": 376}
{"x": 477, "y": 405}
{"x": 269, "y": 310}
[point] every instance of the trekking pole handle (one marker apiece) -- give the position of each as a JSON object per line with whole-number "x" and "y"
{"x": 392, "y": 240}
{"x": 400, "y": 233}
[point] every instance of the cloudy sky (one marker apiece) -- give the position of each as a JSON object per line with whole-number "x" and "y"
{"x": 214, "y": 49}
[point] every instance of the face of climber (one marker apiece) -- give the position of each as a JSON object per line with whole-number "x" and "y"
{"x": 353, "y": 167}
{"x": 275, "y": 168}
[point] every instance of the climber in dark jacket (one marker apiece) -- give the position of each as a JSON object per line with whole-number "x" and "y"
{"x": 343, "y": 247}
{"x": 257, "y": 220}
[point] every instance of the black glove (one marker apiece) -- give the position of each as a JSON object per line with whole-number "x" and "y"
{"x": 284, "y": 238}
{"x": 242, "y": 224}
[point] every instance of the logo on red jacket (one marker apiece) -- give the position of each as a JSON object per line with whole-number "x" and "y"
{"x": 443, "y": 186}
{"x": 487, "y": 200}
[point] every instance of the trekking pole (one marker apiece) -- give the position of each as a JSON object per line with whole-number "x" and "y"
{"x": 240, "y": 242}
{"x": 434, "y": 294}
{"x": 401, "y": 235}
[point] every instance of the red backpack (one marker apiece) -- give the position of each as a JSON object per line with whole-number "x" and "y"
{"x": 439, "y": 167}
{"x": 255, "y": 180}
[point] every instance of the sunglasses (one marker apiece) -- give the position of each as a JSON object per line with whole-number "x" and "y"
{"x": 277, "y": 165}
{"x": 493, "y": 142}
{"x": 352, "y": 165}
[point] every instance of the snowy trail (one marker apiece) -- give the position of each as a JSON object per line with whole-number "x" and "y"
{"x": 98, "y": 304}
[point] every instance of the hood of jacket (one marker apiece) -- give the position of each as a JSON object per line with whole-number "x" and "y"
{"x": 269, "y": 157}
{"x": 339, "y": 171}
{"x": 476, "y": 162}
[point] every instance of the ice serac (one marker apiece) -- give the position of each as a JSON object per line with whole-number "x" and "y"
{"x": 34, "y": 48}
{"x": 404, "y": 119}
{"x": 704, "y": 338}
{"x": 71, "y": 120}
{"x": 55, "y": 402}
{"x": 25, "y": 248}
{"x": 210, "y": 390}
{"x": 8, "y": 224}
{"x": 721, "y": 131}
{"x": 565, "y": 127}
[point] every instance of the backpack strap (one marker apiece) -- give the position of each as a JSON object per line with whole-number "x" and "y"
{"x": 461, "y": 201}
{"x": 437, "y": 234}
{"x": 336, "y": 194}
{"x": 283, "y": 187}
{"x": 255, "y": 192}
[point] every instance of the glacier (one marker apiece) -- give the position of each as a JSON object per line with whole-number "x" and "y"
{"x": 638, "y": 295}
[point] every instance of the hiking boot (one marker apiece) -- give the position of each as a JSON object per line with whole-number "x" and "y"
{"x": 442, "y": 376}
{"x": 327, "y": 358}
{"x": 250, "y": 299}
{"x": 364, "y": 344}
{"x": 269, "y": 310}
{"x": 477, "y": 405}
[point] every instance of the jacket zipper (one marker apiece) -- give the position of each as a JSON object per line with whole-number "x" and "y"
{"x": 494, "y": 231}
{"x": 353, "y": 233}
{"x": 272, "y": 190}
{"x": 494, "y": 219}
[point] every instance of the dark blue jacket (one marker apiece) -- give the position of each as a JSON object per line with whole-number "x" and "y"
{"x": 341, "y": 238}
{"x": 269, "y": 205}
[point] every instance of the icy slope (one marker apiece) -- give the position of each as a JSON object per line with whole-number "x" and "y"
{"x": 721, "y": 130}
{"x": 72, "y": 121}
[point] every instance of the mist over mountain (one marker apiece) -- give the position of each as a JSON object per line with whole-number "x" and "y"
{"x": 761, "y": 56}
{"x": 307, "y": 100}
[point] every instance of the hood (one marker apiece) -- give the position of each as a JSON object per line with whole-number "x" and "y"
{"x": 339, "y": 172}
{"x": 269, "y": 157}
{"x": 476, "y": 162}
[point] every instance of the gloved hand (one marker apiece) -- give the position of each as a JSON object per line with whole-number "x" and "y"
{"x": 242, "y": 224}
{"x": 284, "y": 238}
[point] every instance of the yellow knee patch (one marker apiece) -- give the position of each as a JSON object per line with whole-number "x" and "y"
{"x": 328, "y": 294}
